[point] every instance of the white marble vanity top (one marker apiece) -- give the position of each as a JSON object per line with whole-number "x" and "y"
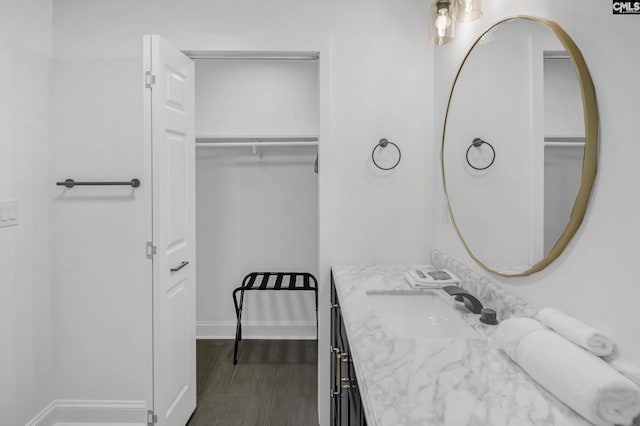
{"x": 422, "y": 381}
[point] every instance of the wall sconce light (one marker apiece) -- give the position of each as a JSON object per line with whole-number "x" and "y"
{"x": 442, "y": 22}
{"x": 444, "y": 13}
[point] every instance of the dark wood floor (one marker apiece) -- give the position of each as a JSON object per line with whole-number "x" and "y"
{"x": 274, "y": 383}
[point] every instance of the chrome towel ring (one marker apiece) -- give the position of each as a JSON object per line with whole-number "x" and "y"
{"x": 477, "y": 143}
{"x": 383, "y": 143}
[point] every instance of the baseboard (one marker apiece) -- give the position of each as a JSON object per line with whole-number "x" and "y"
{"x": 286, "y": 330}
{"x": 64, "y": 412}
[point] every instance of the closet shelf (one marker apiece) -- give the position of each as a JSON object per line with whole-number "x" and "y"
{"x": 255, "y": 141}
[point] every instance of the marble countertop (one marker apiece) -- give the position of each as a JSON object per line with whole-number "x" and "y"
{"x": 423, "y": 381}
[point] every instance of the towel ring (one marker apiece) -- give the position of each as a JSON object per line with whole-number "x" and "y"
{"x": 383, "y": 144}
{"x": 477, "y": 143}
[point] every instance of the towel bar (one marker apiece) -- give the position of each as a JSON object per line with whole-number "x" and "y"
{"x": 70, "y": 183}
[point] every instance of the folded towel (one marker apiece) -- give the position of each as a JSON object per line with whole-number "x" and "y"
{"x": 415, "y": 284}
{"x": 576, "y": 377}
{"x": 575, "y": 330}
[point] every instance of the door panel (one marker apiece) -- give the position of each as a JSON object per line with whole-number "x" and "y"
{"x": 176, "y": 191}
{"x": 178, "y": 374}
{"x": 172, "y": 124}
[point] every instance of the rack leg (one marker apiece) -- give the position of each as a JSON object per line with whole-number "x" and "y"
{"x": 238, "y": 323}
{"x": 240, "y": 315}
{"x": 315, "y": 292}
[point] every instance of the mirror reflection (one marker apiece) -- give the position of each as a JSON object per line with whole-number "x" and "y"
{"x": 514, "y": 144}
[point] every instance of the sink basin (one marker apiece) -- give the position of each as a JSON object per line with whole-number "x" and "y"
{"x": 418, "y": 314}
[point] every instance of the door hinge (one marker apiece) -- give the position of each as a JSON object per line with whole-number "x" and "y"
{"x": 151, "y": 249}
{"x": 149, "y": 79}
{"x": 152, "y": 418}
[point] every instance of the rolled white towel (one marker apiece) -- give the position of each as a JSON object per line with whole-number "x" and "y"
{"x": 576, "y": 377}
{"x": 575, "y": 330}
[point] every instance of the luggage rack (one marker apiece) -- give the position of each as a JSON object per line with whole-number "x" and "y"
{"x": 264, "y": 281}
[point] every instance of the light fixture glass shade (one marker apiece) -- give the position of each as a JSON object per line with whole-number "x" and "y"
{"x": 468, "y": 10}
{"x": 442, "y": 22}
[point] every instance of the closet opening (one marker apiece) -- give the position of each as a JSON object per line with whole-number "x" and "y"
{"x": 564, "y": 143}
{"x": 256, "y": 127}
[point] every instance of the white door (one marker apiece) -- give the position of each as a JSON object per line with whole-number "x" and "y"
{"x": 171, "y": 122}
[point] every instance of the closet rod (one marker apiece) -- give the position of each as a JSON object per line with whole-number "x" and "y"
{"x": 253, "y": 56}
{"x": 564, "y": 144}
{"x": 254, "y": 138}
{"x": 253, "y": 144}
{"x": 570, "y": 139}
{"x": 556, "y": 54}
{"x": 564, "y": 141}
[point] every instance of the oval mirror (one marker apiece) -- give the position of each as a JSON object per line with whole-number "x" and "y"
{"x": 519, "y": 148}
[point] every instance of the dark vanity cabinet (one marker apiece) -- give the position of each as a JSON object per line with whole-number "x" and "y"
{"x": 346, "y": 405}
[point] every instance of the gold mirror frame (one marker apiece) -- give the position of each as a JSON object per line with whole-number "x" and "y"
{"x": 590, "y": 161}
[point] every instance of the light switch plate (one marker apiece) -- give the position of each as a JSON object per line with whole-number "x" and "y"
{"x": 8, "y": 213}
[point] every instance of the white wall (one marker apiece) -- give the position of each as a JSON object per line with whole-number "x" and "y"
{"x": 25, "y": 331}
{"x": 256, "y": 97}
{"x": 380, "y": 87}
{"x": 101, "y": 276}
{"x": 581, "y": 280}
{"x": 255, "y": 212}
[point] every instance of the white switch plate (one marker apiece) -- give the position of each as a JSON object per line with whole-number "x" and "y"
{"x": 8, "y": 213}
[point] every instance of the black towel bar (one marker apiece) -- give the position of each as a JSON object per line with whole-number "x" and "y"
{"x": 70, "y": 183}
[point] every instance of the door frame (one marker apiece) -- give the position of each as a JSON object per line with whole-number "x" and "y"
{"x": 217, "y": 45}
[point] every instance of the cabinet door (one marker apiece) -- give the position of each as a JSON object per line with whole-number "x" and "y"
{"x": 336, "y": 401}
{"x": 346, "y": 373}
{"x": 354, "y": 409}
{"x": 356, "y": 415}
{"x": 346, "y": 405}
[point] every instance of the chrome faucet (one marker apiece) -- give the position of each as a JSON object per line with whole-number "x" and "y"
{"x": 462, "y": 295}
